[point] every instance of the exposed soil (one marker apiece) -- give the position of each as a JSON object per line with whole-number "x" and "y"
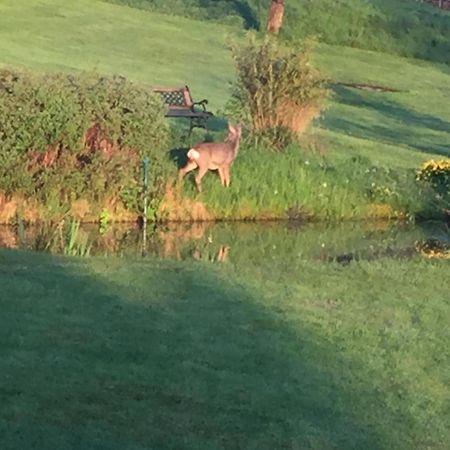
{"x": 31, "y": 211}
{"x": 369, "y": 87}
{"x": 175, "y": 207}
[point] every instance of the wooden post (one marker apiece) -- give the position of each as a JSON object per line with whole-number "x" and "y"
{"x": 276, "y": 15}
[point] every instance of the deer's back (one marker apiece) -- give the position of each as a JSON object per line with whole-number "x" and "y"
{"x": 214, "y": 155}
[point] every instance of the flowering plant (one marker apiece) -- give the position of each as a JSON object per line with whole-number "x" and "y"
{"x": 436, "y": 174}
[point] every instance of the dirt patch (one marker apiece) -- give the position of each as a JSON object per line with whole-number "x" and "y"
{"x": 84, "y": 211}
{"x": 369, "y": 87}
{"x": 175, "y": 207}
{"x": 10, "y": 207}
{"x": 8, "y": 237}
{"x": 31, "y": 211}
{"x": 80, "y": 209}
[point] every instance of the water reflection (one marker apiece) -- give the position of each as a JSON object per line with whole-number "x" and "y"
{"x": 239, "y": 243}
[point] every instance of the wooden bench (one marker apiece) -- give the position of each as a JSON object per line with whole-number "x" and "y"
{"x": 180, "y": 103}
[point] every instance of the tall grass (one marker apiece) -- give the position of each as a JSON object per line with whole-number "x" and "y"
{"x": 66, "y": 237}
{"x": 301, "y": 184}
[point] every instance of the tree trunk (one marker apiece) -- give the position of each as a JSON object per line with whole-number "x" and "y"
{"x": 276, "y": 15}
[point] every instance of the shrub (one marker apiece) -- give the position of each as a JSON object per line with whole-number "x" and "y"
{"x": 437, "y": 175}
{"x": 434, "y": 184}
{"x": 66, "y": 137}
{"x": 277, "y": 90}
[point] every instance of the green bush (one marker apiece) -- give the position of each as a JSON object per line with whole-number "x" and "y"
{"x": 277, "y": 92}
{"x": 434, "y": 178}
{"x": 437, "y": 175}
{"x": 70, "y": 137}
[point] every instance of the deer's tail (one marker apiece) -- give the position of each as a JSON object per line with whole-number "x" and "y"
{"x": 193, "y": 154}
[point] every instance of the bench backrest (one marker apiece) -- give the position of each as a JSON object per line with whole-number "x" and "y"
{"x": 176, "y": 98}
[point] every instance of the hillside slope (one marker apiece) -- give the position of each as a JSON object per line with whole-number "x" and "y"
{"x": 402, "y": 27}
{"x": 400, "y": 128}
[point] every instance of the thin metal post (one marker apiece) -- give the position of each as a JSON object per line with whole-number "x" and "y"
{"x": 146, "y": 163}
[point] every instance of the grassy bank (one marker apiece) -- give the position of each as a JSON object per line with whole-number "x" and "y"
{"x": 151, "y": 354}
{"x": 299, "y": 184}
{"x": 385, "y": 133}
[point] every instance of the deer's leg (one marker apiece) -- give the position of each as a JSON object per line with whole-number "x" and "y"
{"x": 190, "y": 166}
{"x": 222, "y": 176}
{"x": 198, "y": 179}
{"x": 222, "y": 256}
{"x": 227, "y": 176}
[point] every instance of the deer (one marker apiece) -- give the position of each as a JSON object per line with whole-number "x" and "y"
{"x": 218, "y": 156}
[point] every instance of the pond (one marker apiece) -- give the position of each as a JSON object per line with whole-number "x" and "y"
{"x": 237, "y": 243}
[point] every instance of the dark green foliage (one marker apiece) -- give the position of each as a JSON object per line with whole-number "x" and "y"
{"x": 392, "y": 26}
{"x": 230, "y": 11}
{"x": 66, "y": 137}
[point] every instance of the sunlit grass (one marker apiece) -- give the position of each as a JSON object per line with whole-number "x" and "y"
{"x": 298, "y": 183}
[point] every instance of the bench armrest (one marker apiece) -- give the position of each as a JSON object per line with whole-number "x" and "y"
{"x": 201, "y": 103}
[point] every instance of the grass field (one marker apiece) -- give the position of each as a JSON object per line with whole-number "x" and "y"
{"x": 113, "y": 354}
{"x": 400, "y": 27}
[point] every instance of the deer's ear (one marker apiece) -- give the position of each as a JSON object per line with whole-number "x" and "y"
{"x": 232, "y": 129}
{"x": 236, "y": 130}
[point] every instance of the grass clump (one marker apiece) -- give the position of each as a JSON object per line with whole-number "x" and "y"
{"x": 301, "y": 184}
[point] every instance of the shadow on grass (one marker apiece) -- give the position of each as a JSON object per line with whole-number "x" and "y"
{"x": 414, "y": 125}
{"x": 151, "y": 354}
{"x": 179, "y": 156}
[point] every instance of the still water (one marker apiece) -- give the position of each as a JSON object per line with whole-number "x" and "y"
{"x": 238, "y": 243}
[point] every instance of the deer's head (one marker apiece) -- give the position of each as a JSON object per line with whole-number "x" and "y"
{"x": 234, "y": 132}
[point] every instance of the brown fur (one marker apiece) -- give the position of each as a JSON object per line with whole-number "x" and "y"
{"x": 276, "y": 15}
{"x": 218, "y": 156}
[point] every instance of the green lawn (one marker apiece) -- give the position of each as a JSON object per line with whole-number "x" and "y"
{"x": 126, "y": 354}
{"x": 396, "y": 129}
{"x": 152, "y": 48}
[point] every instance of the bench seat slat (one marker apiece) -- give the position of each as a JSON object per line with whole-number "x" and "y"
{"x": 181, "y": 104}
{"x": 188, "y": 113}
